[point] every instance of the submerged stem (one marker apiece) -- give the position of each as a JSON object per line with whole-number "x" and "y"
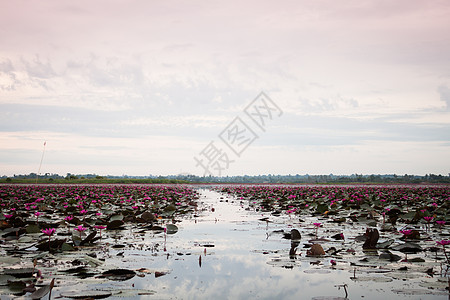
{"x": 445, "y": 253}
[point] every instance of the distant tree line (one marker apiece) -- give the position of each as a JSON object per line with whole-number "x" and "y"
{"x": 269, "y": 179}
{"x": 316, "y": 179}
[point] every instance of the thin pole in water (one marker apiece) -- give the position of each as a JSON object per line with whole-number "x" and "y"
{"x": 42, "y": 158}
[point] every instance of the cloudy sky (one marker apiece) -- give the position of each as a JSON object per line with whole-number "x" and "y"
{"x": 145, "y": 87}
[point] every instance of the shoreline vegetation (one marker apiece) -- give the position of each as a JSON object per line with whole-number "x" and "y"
{"x": 32, "y": 178}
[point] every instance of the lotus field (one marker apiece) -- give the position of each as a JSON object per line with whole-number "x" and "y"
{"x": 99, "y": 241}
{"x": 56, "y": 219}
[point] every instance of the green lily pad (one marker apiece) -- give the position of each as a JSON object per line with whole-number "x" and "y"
{"x": 32, "y": 228}
{"x": 132, "y": 292}
{"x": 5, "y": 278}
{"x": 118, "y": 217}
{"x": 94, "y": 294}
{"x": 115, "y": 224}
{"x": 118, "y": 274}
{"x": 411, "y": 291}
{"x": 171, "y": 229}
{"x": 19, "y": 273}
{"x": 9, "y": 260}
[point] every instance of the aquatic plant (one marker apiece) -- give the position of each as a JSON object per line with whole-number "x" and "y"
{"x": 100, "y": 227}
{"x": 37, "y": 214}
{"x": 80, "y": 229}
{"x": 317, "y": 225}
{"x": 406, "y": 233}
{"x": 444, "y": 243}
{"x": 49, "y": 232}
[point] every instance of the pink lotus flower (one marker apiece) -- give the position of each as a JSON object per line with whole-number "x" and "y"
{"x": 100, "y": 227}
{"x": 37, "y": 214}
{"x": 317, "y": 227}
{"x": 8, "y": 216}
{"x": 80, "y": 228}
{"x": 405, "y": 232}
{"x": 48, "y": 231}
{"x": 440, "y": 223}
{"x": 428, "y": 219}
{"x": 68, "y": 218}
{"x": 443, "y": 242}
{"x": 83, "y": 211}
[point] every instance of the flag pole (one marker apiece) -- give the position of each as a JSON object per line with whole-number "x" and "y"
{"x": 42, "y": 158}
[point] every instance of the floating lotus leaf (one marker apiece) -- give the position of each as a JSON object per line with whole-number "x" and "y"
{"x": 118, "y": 274}
{"x": 295, "y": 234}
{"x": 16, "y": 286}
{"x": 116, "y": 217}
{"x": 321, "y": 208}
{"x": 54, "y": 244}
{"x": 67, "y": 247}
{"x": 408, "y": 247}
{"x": 372, "y": 237}
{"x": 385, "y": 244}
{"x": 115, "y": 224}
{"x": 316, "y": 250}
{"x": 434, "y": 285}
{"x": 132, "y": 292}
{"x": 32, "y": 228}
{"x": 148, "y": 217}
{"x": 25, "y": 239}
{"x": 4, "y": 279}
{"x": 372, "y": 279}
{"x": 19, "y": 272}
{"x": 390, "y": 256}
{"x": 171, "y": 229}
{"x": 317, "y": 271}
{"x": 10, "y": 260}
{"x": 411, "y": 291}
{"x": 89, "y": 239}
{"x": 43, "y": 291}
{"x": 328, "y": 298}
{"x": 93, "y": 294}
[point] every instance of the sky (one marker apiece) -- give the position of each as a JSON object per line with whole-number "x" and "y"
{"x": 174, "y": 87}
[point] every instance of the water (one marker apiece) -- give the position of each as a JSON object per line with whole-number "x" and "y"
{"x": 247, "y": 264}
{"x": 227, "y": 252}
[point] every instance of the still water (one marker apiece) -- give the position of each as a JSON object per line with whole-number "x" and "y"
{"x": 227, "y": 252}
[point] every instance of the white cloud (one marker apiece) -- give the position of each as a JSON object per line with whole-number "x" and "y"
{"x": 357, "y": 71}
{"x": 444, "y": 93}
